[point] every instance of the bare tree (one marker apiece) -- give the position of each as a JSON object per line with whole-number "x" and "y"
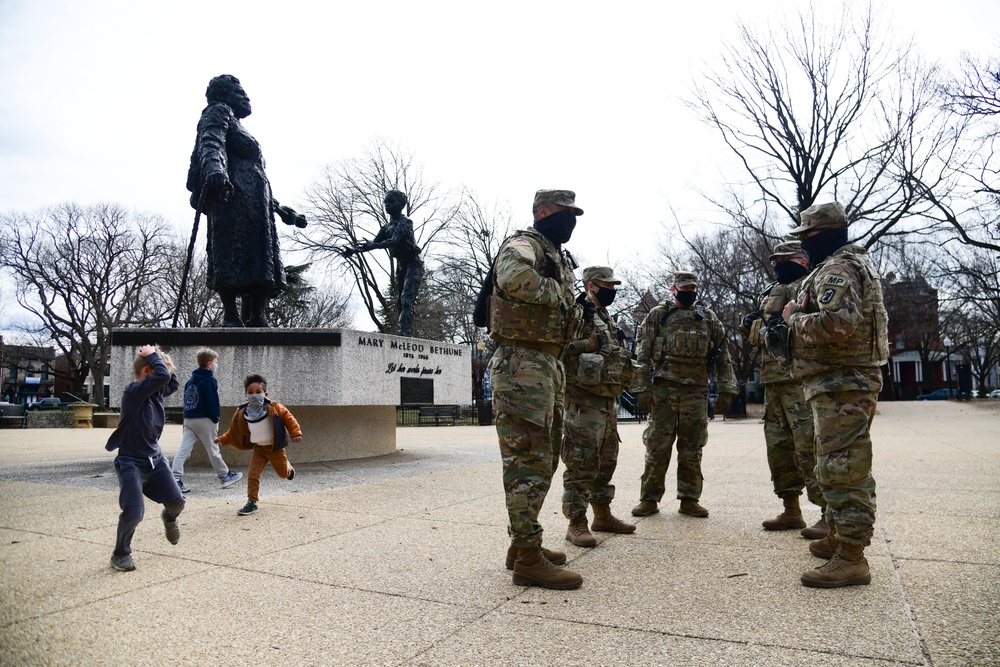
{"x": 307, "y": 305}
{"x": 347, "y": 207}
{"x": 83, "y": 271}
{"x": 200, "y": 306}
{"x": 971, "y": 205}
{"x": 971, "y": 306}
{"x": 472, "y": 240}
{"x": 810, "y": 108}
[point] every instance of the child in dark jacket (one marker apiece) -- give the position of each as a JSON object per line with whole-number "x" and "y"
{"x": 264, "y": 427}
{"x": 140, "y": 464}
{"x": 201, "y": 421}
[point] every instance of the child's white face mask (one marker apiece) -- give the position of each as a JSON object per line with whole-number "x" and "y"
{"x": 256, "y": 401}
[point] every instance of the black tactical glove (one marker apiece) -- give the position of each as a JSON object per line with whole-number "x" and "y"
{"x": 589, "y": 310}
{"x": 749, "y": 319}
{"x": 776, "y": 338}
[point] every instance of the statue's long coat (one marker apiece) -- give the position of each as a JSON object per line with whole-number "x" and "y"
{"x": 243, "y": 254}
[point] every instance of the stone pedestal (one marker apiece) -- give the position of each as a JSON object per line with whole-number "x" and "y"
{"x": 341, "y": 385}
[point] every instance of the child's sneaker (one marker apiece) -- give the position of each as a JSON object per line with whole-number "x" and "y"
{"x": 291, "y": 474}
{"x": 183, "y": 487}
{"x": 172, "y": 528}
{"x": 122, "y": 563}
{"x": 249, "y": 508}
{"x": 230, "y": 479}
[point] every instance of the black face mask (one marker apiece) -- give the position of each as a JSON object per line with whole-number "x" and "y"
{"x": 605, "y": 296}
{"x": 557, "y": 227}
{"x": 686, "y": 298}
{"x": 823, "y": 243}
{"x": 788, "y": 272}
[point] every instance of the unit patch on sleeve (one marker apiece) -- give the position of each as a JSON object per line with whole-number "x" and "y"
{"x": 831, "y": 291}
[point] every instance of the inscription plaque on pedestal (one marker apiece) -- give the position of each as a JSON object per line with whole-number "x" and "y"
{"x": 419, "y": 391}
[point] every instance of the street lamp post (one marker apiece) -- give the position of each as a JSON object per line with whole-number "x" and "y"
{"x": 947, "y": 362}
{"x": 484, "y": 410}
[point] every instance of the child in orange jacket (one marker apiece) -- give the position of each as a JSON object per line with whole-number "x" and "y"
{"x": 263, "y": 426}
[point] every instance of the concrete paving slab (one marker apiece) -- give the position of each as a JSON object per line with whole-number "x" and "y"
{"x": 951, "y": 537}
{"x": 20, "y": 494}
{"x": 93, "y": 516}
{"x": 439, "y": 561}
{"x": 900, "y": 493}
{"x": 234, "y": 617}
{"x": 734, "y": 595}
{"x": 213, "y": 533}
{"x": 52, "y": 574}
{"x": 955, "y": 610}
{"x": 506, "y": 638}
{"x": 391, "y": 498}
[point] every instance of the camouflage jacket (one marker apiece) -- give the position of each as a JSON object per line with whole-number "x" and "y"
{"x": 772, "y": 369}
{"x": 615, "y": 370}
{"x": 679, "y": 345}
{"x": 532, "y": 296}
{"x": 839, "y": 331}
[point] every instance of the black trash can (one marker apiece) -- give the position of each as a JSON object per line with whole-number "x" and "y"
{"x": 485, "y": 410}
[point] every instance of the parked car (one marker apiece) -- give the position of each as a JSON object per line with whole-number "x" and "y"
{"x": 994, "y": 394}
{"x": 938, "y": 395}
{"x": 46, "y": 404}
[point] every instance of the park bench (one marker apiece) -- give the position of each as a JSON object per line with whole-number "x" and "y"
{"x": 14, "y": 413}
{"x": 437, "y": 414}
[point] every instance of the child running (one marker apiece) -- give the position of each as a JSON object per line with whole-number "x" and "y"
{"x": 263, "y": 426}
{"x": 140, "y": 465}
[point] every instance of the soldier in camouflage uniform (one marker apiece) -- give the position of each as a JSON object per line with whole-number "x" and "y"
{"x": 598, "y": 368}
{"x": 678, "y": 345}
{"x": 839, "y": 339}
{"x": 533, "y": 315}
{"x": 788, "y": 425}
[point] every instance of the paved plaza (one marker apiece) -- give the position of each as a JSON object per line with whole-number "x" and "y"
{"x": 398, "y": 560}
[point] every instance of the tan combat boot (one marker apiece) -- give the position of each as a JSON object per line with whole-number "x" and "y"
{"x": 790, "y": 518}
{"x": 692, "y": 508}
{"x": 606, "y": 522}
{"x": 825, "y": 548}
{"x": 848, "y": 567}
{"x": 554, "y": 557}
{"x": 817, "y": 531}
{"x": 532, "y": 569}
{"x": 645, "y": 508}
{"x": 578, "y": 534}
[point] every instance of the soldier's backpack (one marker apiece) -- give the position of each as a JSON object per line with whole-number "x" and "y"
{"x": 481, "y": 313}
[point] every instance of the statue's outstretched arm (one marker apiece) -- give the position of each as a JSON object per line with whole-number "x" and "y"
{"x": 289, "y": 215}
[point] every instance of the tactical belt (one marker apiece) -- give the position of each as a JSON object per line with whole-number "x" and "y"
{"x": 551, "y": 348}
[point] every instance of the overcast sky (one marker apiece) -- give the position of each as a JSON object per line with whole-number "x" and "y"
{"x": 99, "y": 99}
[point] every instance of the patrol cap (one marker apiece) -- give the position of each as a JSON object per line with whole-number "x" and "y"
{"x": 685, "y": 278}
{"x": 603, "y": 273}
{"x": 788, "y": 250}
{"x": 821, "y": 216}
{"x": 558, "y": 197}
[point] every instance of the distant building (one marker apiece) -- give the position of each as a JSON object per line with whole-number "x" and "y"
{"x": 26, "y": 373}
{"x": 917, "y": 359}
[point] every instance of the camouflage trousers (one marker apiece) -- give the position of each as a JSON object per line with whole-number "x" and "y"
{"x": 528, "y": 395}
{"x": 681, "y": 412}
{"x": 788, "y": 432}
{"x": 590, "y": 454}
{"x": 844, "y": 461}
